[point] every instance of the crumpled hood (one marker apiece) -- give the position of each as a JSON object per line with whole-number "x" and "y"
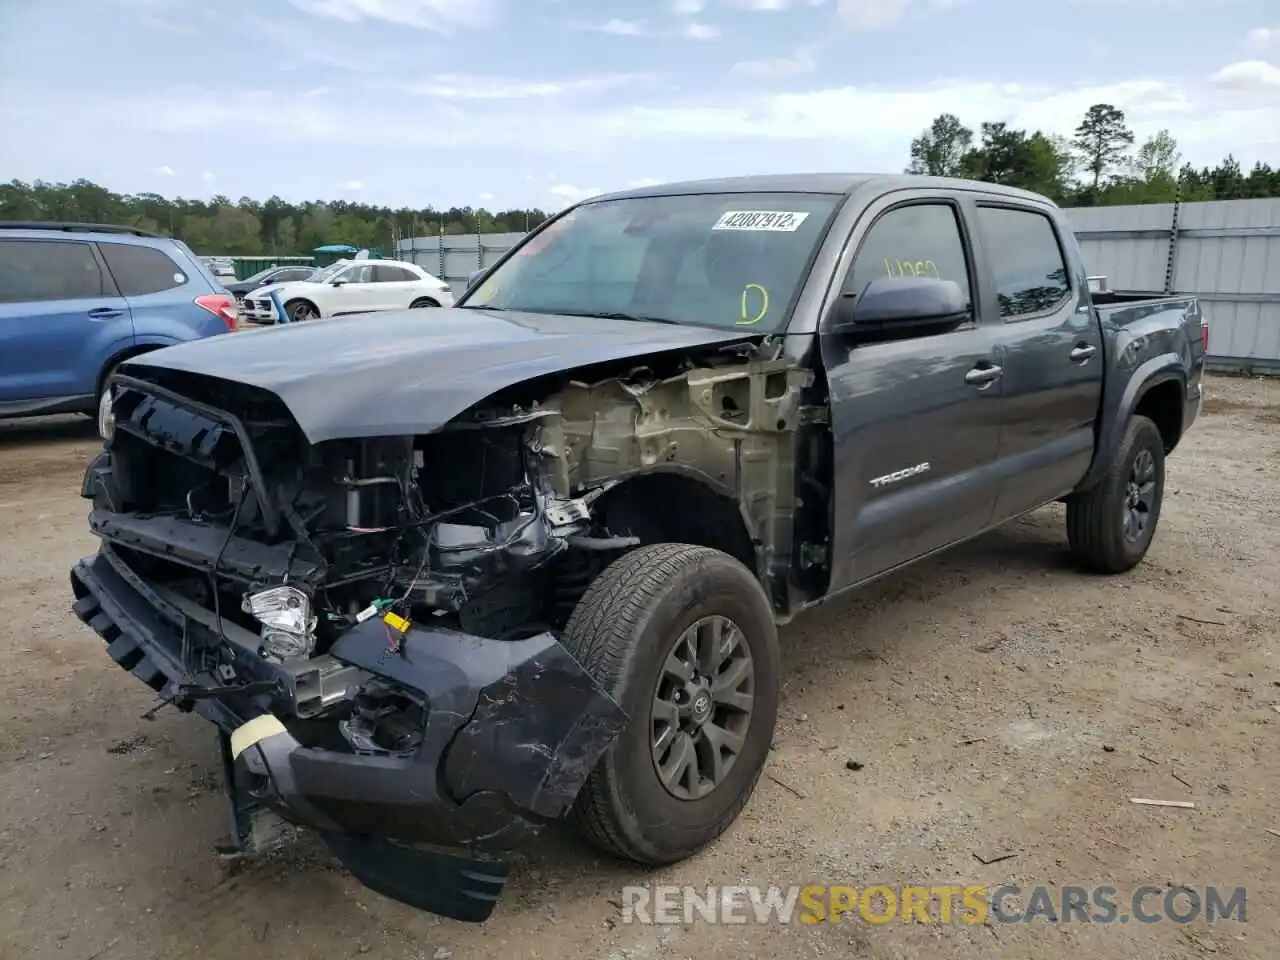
{"x": 410, "y": 372}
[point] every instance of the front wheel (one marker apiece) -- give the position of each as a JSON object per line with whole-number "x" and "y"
{"x": 300, "y": 311}
{"x": 1110, "y": 526}
{"x": 684, "y": 639}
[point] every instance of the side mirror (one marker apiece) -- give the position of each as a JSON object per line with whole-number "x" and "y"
{"x": 890, "y": 307}
{"x": 338, "y": 283}
{"x": 474, "y": 276}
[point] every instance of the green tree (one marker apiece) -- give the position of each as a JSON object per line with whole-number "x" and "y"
{"x": 940, "y": 150}
{"x": 1102, "y": 140}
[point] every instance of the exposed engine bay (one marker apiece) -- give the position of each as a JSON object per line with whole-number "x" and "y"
{"x": 492, "y": 526}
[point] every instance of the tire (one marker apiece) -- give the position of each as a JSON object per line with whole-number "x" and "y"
{"x": 1099, "y": 530}
{"x": 422, "y": 303}
{"x": 300, "y": 311}
{"x": 622, "y": 632}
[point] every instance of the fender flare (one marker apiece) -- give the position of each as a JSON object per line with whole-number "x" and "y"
{"x": 1114, "y": 419}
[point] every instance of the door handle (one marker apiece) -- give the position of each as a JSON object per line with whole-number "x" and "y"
{"x": 984, "y": 376}
{"x": 1083, "y": 352}
{"x": 105, "y": 313}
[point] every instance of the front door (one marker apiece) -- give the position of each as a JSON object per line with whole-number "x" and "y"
{"x": 1053, "y": 356}
{"x": 915, "y": 421}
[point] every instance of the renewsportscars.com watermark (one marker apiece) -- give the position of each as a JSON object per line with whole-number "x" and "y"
{"x": 937, "y": 904}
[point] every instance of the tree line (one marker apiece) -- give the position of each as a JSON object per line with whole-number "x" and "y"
{"x": 247, "y": 227}
{"x": 1098, "y": 165}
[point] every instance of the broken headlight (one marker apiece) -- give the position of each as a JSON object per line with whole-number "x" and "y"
{"x": 288, "y": 625}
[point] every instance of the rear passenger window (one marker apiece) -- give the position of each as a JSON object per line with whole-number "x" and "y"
{"x": 141, "y": 270}
{"x": 388, "y": 274}
{"x": 34, "y": 270}
{"x": 1030, "y": 272}
{"x": 922, "y": 239}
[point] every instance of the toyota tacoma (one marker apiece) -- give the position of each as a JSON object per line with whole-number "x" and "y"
{"x": 441, "y": 581}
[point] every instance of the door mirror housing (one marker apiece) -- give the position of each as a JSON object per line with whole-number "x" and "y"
{"x": 892, "y": 307}
{"x": 474, "y": 276}
{"x": 338, "y": 283}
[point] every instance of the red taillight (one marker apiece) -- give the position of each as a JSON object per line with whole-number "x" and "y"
{"x": 222, "y": 306}
{"x": 1204, "y": 336}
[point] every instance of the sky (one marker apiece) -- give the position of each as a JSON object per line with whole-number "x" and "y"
{"x": 516, "y": 103}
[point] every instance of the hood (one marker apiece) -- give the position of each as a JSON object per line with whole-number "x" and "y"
{"x": 411, "y": 372}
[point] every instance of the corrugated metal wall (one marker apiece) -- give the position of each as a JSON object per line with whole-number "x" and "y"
{"x": 1227, "y": 252}
{"x": 454, "y": 258}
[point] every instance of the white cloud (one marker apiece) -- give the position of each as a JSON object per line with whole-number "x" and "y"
{"x": 871, "y": 14}
{"x": 1263, "y": 37}
{"x": 619, "y": 28}
{"x": 1249, "y": 77}
{"x": 687, "y": 8}
{"x": 700, "y": 31}
{"x": 207, "y": 177}
{"x": 454, "y": 86}
{"x": 644, "y": 182}
{"x": 351, "y": 186}
{"x": 869, "y": 127}
{"x": 166, "y": 171}
{"x": 440, "y": 16}
{"x": 777, "y": 68}
{"x": 486, "y": 197}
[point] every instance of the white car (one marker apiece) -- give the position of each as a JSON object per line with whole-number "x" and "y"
{"x": 349, "y": 286}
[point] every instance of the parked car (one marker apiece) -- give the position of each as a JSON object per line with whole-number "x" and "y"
{"x": 76, "y": 299}
{"x": 350, "y": 286}
{"x": 268, "y": 277}
{"x": 529, "y": 560}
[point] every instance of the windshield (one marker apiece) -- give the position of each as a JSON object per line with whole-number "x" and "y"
{"x": 261, "y": 275}
{"x": 724, "y": 259}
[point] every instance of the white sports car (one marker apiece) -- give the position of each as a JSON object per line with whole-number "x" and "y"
{"x": 349, "y": 286}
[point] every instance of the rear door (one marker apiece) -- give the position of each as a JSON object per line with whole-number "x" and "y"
{"x": 161, "y": 294}
{"x": 1053, "y": 354}
{"x": 397, "y": 287}
{"x": 61, "y": 318}
{"x": 916, "y": 431}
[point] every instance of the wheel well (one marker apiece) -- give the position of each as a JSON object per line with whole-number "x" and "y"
{"x": 671, "y": 508}
{"x": 430, "y": 300}
{"x": 120, "y": 358}
{"x": 308, "y": 302}
{"x": 1162, "y": 403}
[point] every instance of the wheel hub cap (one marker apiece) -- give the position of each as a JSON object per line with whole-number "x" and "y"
{"x": 702, "y": 706}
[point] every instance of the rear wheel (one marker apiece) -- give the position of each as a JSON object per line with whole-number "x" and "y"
{"x": 300, "y": 311}
{"x": 1111, "y": 525}
{"x": 423, "y": 302}
{"x": 684, "y": 638}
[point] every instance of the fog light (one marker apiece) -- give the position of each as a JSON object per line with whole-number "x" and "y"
{"x": 288, "y": 625}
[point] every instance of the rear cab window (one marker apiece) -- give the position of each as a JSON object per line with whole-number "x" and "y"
{"x": 1026, "y": 259}
{"x": 140, "y": 270}
{"x": 50, "y": 270}
{"x": 714, "y": 259}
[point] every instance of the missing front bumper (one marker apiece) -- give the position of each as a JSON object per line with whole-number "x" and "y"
{"x": 512, "y": 731}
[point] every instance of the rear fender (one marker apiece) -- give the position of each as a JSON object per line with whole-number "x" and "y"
{"x": 1118, "y": 408}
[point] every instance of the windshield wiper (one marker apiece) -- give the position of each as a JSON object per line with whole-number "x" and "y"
{"x": 618, "y": 315}
{"x": 483, "y": 306}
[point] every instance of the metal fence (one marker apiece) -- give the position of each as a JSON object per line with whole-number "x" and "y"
{"x": 454, "y": 258}
{"x": 1226, "y": 252}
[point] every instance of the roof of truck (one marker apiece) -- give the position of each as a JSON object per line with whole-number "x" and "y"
{"x": 830, "y": 183}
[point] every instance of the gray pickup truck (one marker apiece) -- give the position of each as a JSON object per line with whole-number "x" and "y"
{"x": 442, "y": 578}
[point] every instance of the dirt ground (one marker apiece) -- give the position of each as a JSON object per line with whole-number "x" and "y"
{"x": 990, "y": 702}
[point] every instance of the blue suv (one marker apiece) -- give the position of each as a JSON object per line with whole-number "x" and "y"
{"x": 76, "y": 299}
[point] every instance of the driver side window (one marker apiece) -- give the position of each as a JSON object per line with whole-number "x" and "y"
{"x": 921, "y": 239}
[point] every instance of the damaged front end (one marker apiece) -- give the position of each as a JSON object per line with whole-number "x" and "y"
{"x": 373, "y": 623}
{"x": 366, "y": 621}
